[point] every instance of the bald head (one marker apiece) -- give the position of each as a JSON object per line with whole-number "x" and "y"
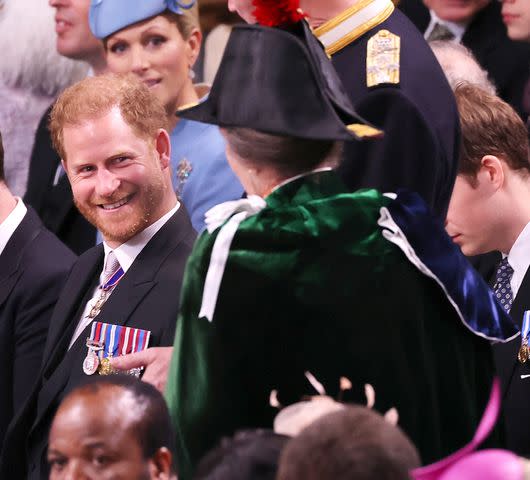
{"x": 116, "y": 427}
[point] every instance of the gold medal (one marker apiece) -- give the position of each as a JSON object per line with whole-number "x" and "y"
{"x": 524, "y": 353}
{"x": 105, "y": 367}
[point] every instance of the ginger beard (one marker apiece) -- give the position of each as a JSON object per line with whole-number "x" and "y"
{"x": 124, "y": 223}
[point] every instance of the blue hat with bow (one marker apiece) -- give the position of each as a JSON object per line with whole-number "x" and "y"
{"x": 109, "y": 16}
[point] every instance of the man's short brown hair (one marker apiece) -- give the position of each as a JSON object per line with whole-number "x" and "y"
{"x": 489, "y": 127}
{"x": 352, "y": 444}
{"x": 95, "y": 96}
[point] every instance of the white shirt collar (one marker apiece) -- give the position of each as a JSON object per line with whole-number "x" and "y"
{"x": 305, "y": 174}
{"x": 11, "y": 223}
{"x": 457, "y": 28}
{"x": 519, "y": 258}
{"x": 127, "y": 252}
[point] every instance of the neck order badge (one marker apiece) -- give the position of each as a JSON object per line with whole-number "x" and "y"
{"x": 107, "y": 341}
{"x": 524, "y": 351}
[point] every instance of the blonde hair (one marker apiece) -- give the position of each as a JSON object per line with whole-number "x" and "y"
{"x": 95, "y": 96}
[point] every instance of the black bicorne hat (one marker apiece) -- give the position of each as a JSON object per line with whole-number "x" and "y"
{"x": 279, "y": 81}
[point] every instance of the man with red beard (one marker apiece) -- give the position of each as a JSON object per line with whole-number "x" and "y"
{"x": 121, "y": 296}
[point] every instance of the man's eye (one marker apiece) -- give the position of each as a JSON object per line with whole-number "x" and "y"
{"x": 101, "y": 460}
{"x": 57, "y": 463}
{"x": 86, "y": 169}
{"x": 120, "y": 159}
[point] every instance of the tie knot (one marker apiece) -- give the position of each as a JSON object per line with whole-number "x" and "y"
{"x": 440, "y": 32}
{"x": 504, "y": 268}
{"x": 111, "y": 266}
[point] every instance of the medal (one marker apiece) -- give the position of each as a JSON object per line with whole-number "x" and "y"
{"x": 91, "y": 362}
{"x": 105, "y": 367}
{"x": 524, "y": 351}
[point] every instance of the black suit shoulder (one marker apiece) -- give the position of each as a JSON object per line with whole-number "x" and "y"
{"x": 36, "y": 264}
{"x": 419, "y": 116}
{"x": 54, "y": 202}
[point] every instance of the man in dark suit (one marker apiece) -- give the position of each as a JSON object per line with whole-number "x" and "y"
{"x": 477, "y": 24}
{"x": 394, "y": 82}
{"x": 117, "y": 161}
{"x": 48, "y": 190}
{"x": 490, "y": 211}
{"x": 33, "y": 268}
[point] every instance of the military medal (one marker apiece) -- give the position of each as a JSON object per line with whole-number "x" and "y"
{"x": 184, "y": 169}
{"x": 524, "y": 351}
{"x": 107, "y": 341}
{"x": 91, "y": 362}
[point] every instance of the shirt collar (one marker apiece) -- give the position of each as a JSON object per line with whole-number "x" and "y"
{"x": 127, "y": 252}
{"x": 519, "y": 258}
{"x": 11, "y": 223}
{"x": 456, "y": 28}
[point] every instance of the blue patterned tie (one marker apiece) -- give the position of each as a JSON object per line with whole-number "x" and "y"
{"x": 502, "y": 287}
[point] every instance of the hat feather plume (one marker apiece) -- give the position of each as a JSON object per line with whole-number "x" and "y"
{"x": 273, "y": 13}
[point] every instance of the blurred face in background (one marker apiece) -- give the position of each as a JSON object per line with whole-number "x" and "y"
{"x": 157, "y": 53}
{"x": 516, "y": 17}
{"x": 456, "y": 10}
{"x": 74, "y": 38}
{"x": 243, "y": 8}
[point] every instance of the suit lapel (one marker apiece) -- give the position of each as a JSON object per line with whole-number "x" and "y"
{"x": 141, "y": 277}
{"x": 11, "y": 257}
{"x": 70, "y": 305}
{"x": 522, "y": 300}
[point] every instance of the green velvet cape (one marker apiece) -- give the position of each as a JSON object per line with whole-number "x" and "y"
{"x": 310, "y": 284}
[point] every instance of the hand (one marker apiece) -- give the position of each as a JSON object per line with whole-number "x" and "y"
{"x": 155, "y": 360}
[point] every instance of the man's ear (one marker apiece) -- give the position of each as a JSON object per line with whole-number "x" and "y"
{"x": 163, "y": 148}
{"x": 491, "y": 171}
{"x": 160, "y": 464}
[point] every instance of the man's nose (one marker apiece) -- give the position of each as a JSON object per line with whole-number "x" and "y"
{"x": 107, "y": 183}
{"x": 76, "y": 471}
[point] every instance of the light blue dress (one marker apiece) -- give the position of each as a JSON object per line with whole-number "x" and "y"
{"x": 200, "y": 173}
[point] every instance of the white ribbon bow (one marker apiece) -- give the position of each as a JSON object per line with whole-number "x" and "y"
{"x": 235, "y": 212}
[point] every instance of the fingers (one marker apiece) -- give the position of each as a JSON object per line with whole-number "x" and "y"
{"x": 132, "y": 360}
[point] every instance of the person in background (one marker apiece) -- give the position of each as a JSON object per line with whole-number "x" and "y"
{"x": 248, "y": 455}
{"x": 48, "y": 190}
{"x": 122, "y": 295}
{"x": 516, "y": 17}
{"x": 459, "y": 65}
{"x": 490, "y": 211}
{"x": 115, "y": 427}
{"x": 355, "y": 443}
{"x": 303, "y": 276}
{"x": 159, "y": 42}
{"x": 476, "y": 24}
{"x": 393, "y": 81}
{"x": 34, "y": 265}
{"x": 32, "y": 73}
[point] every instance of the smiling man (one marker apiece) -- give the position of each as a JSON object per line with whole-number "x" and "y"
{"x": 109, "y": 131}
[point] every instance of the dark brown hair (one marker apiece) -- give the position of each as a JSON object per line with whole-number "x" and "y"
{"x": 352, "y": 444}
{"x": 489, "y": 127}
{"x": 288, "y": 155}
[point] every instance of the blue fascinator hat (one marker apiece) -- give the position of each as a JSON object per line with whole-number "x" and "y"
{"x": 109, "y": 16}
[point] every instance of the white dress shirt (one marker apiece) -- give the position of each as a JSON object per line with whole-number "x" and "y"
{"x": 456, "y": 28}
{"x": 519, "y": 259}
{"x": 126, "y": 253}
{"x": 11, "y": 223}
